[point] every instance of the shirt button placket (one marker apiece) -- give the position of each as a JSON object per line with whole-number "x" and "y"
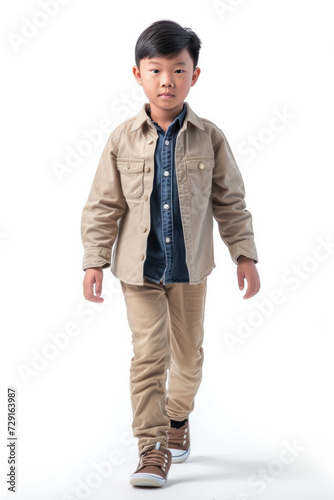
{"x": 166, "y": 199}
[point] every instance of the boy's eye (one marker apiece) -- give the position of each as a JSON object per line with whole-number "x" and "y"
{"x": 154, "y": 70}
{"x": 180, "y": 70}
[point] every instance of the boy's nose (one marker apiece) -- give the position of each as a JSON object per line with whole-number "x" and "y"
{"x": 167, "y": 82}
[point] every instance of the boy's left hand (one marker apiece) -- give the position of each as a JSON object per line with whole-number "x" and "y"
{"x": 246, "y": 269}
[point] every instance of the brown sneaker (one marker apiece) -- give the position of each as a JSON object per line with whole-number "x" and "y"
{"x": 179, "y": 443}
{"x": 153, "y": 468}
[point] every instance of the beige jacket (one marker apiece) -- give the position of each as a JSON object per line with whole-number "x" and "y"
{"x": 117, "y": 213}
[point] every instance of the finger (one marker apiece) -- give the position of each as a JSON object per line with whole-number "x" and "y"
{"x": 250, "y": 289}
{"x": 89, "y": 295}
{"x": 98, "y": 286}
{"x": 93, "y": 298}
{"x": 240, "y": 276}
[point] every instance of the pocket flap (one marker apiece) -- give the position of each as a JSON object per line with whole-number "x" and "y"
{"x": 129, "y": 166}
{"x": 200, "y": 164}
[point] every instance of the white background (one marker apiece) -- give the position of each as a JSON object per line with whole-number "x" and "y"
{"x": 265, "y": 384}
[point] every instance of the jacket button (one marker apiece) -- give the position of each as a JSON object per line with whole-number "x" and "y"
{"x": 150, "y": 141}
{"x": 108, "y": 255}
{"x": 144, "y": 229}
{"x": 142, "y": 256}
{"x": 201, "y": 166}
{"x": 167, "y": 240}
{"x": 128, "y": 166}
{"x": 145, "y": 197}
{"x": 147, "y": 169}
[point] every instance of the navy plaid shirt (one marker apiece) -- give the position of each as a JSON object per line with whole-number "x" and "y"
{"x": 166, "y": 253}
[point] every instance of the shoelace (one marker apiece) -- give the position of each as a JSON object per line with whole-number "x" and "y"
{"x": 154, "y": 457}
{"x": 177, "y": 436}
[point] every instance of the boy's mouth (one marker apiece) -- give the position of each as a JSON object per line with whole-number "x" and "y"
{"x": 166, "y": 95}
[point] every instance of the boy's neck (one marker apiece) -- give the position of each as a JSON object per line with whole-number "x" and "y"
{"x": 164, "y": 117}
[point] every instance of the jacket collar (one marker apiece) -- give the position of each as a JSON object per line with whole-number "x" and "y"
{"x": 142, "y": 117}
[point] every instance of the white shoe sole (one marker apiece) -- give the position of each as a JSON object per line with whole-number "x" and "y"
{"x": 144, "y": 479}
{"x": 179, "y": 456}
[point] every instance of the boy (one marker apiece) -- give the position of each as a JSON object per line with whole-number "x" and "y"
{"x": 162, "y": 177}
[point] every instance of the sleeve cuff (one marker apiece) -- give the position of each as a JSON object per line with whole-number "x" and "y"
{"x": 246, "y": 248}
{"x": 98, "y": 257}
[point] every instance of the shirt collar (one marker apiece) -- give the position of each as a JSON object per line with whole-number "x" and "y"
{"x": 187, "y": 115}
{"x": 178, "y": 121}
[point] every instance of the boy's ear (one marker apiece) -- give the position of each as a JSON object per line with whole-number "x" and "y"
{"x": 136, "y": 72}
{"x": 195, "y": 76}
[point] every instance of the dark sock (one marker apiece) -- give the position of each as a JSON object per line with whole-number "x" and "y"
{"x": 176, "y": 424}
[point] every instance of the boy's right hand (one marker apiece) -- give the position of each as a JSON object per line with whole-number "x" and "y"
{"x": 93, "y": 275}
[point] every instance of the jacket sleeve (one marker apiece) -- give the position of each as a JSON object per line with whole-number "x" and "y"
{"x": 104, "y": 207}
{"x": 228, "y": 203}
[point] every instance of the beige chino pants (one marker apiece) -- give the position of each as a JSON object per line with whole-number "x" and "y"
{"x": 166, "y": 322}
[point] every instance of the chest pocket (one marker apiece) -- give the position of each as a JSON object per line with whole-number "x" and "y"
{"x": 199, "y": 173}
{"x": 132, "y": 176}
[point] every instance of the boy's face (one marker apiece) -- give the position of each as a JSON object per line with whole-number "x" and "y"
{"x": 159, "y": 75}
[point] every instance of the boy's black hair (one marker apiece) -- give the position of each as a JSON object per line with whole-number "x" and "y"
{"x": 167, "y": 39}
